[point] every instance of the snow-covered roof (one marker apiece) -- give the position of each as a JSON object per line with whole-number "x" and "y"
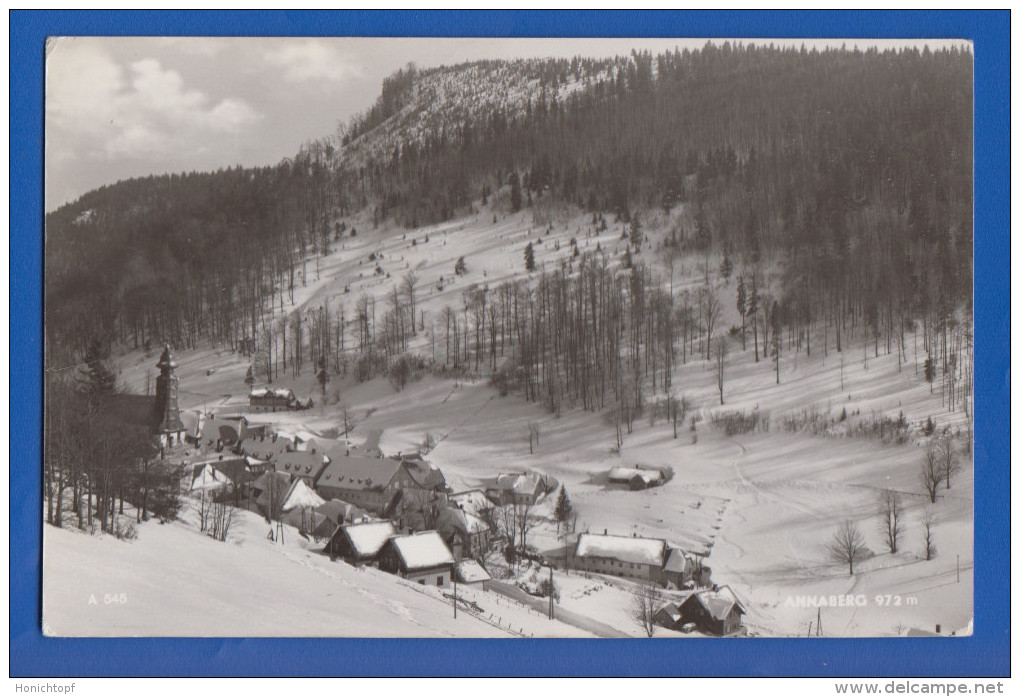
{"x": 265, "y": 448}
{"x": 340, "y": 511}
{"x": 281, "y": 393}
{"x": 301, "y": 496}
{"x": 671, "y": 610}
{"x": 520, "y": 484}
{"x": 625, "y": 474}
{"x": 719, "y": 607}
{"x": 470, "y": 571}
{"x": 474, "y": 523}
{"x": 676, "y": 562}
{"x": 471, "y": 501}
{"x": 300, "y": 463}
{"x": 424, "y": 473}
{"x": 230, "y": 431}
{"x": 357, "y": 471}
{"x": 368, "y": 538}
{"x": 209, "y": 479}
{"x": 634, "y": 550}
{"x": 422, "y": 550}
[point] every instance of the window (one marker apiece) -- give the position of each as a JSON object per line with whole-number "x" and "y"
{"x": 439, "y": 581}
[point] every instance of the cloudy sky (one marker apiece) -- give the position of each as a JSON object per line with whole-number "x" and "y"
{"x": 125, "y": 107}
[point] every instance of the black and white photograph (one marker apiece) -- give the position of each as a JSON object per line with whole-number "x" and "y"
{"x": 508, "y": 338}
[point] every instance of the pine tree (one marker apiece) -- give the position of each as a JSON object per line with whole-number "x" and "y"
{"x": 322, "y": 376}
{"x": 99, "y": 378}
{"x": 564, "y": 509}
{"x": 249, "y": 378}
{"x": 742, "y": 309}
{"x": 515, "y": 192}
{"x": 529, "y": 257}
{"x": 726, "y": 267}
{"x": 635, "y": 230}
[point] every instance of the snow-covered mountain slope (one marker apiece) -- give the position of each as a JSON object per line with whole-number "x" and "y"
{"x": 418, "y": 105}
{"x": 763, "y": 505}
{"x": 174, "y": 581}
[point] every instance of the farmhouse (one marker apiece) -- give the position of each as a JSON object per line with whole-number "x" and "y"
{"x": 636, "y": 477}
{"x": 678, "y": 571}
{"x": 629, "y": 557}
{"x": 473, "y": 501}
{"x": 300, "y": 497}
{"x": 270, "y": 491}
{"x": 422, "y": 557}
{"x": 467, "y": 535}
{"x": 360, "y": 543}
{"x": 264, "y": 399}
{"x": 368, "y": 482}
{"x": 208, "y": 482}
{"x": 300, "y": 464}
{"x": 524, "y": 488}
{"x": 266, "y": 448}
{"x": 713, "y": 612}
{"x": 233, "y": 471}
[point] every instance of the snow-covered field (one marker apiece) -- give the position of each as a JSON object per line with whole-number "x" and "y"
{"x": 762, "y": 506}
{"x": 175, "y": 581}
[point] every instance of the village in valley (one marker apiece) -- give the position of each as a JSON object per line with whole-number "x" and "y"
{"x": 342, "y": 497}
{"x": 449, "y": 372}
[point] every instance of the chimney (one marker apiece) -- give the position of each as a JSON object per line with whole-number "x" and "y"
{"x": 605, "y": 531}
{"x": 938, "y": 628}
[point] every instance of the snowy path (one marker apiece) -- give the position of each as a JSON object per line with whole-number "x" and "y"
{"x": 562, "y": 614}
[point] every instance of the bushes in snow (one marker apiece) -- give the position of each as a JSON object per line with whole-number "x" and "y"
{"x": 876, "y": 427}
{"x": 736, "y": 422}
{"x": 404, "y": 369}
{"x": 368, "y": 365}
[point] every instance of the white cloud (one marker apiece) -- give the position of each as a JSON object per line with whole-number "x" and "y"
{"x": 96, "y": 107}
{"x": 312, "y": 60}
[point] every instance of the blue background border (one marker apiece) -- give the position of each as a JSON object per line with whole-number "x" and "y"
{"x": 985, "y": 653}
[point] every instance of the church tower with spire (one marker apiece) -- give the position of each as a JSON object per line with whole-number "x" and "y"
{"x": 168, "y": 426}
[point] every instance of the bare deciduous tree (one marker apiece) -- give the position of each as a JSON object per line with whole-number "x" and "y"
{"x": 932, "y": 472}
{"x": 525, "y": 524}
{"x": 722, "y": 346}
{"x": 947, "y": 454}
{"x": 928, "y": 533}
{"x": 408, "y": 285}
{"x": 891, "y": 512}
{"x": 222, "y": 515}
{"x": 646, "y": 601}
{"x": 847, "y": 544}
{"x": 711, "y": 309}
{"x": 533, "y": 435}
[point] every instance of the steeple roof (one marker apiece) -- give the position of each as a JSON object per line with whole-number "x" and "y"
{"x": 166, "y": 360}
